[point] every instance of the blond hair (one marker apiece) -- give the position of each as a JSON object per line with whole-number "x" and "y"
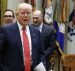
{"x": 23, "y": 5}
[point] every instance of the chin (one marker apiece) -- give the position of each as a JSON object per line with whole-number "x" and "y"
{"x": 25, "y": 23}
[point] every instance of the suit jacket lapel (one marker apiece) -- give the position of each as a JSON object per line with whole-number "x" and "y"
{"x": 33, "y": 39}
{"x": 43, "y": 28}
{"x": 17, "y": 38}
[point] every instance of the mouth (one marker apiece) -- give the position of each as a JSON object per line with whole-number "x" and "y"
{"x": 25, "y": 20}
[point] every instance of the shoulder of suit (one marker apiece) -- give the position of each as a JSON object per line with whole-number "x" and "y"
{"x": 9, "y": 26}
{"x": 48, "y": 26}
{"x": 33, "y": 28}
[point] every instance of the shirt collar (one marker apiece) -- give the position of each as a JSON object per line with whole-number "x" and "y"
{"x": 41, "y": 25}
{"x": 20, "y": 26}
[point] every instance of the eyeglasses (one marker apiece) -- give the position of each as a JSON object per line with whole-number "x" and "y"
{"x": 8, "y": 16}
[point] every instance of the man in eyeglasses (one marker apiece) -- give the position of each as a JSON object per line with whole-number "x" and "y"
{"x": 8, "y": 16}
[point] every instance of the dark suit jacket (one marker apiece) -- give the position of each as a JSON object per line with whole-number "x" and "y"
{"x": 11, "y": 53}
{"x": 48, "y": 38}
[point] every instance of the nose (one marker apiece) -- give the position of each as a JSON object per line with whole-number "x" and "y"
{"x": 8, "y": 17}
{"x": 25, "y": 14}
{"x": 34, "y": 19}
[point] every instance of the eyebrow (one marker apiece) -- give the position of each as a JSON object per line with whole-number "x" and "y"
{"x": 8, "y": 16}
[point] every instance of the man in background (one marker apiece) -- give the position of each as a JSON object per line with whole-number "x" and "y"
{"x": 48, "y": 36}
{"x": 8, "y": 16}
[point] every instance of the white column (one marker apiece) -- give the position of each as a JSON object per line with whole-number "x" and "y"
{"x": 39, "y": 4}
{"x": 11, "y": 4}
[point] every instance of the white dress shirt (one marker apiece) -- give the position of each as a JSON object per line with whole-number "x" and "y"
{"x": 40, "y": 27}
{"x": 28, "y": 34}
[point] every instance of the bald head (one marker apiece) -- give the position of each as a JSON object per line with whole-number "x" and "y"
{"x": 37, "y": 17}
{"x": 37, "y": 13}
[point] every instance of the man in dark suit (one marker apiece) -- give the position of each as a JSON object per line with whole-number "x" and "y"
{"x": 48, "y": 36}
{"x": 11, "y": 43}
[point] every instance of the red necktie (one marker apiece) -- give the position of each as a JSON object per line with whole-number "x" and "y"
{"x": 27, "y": 62}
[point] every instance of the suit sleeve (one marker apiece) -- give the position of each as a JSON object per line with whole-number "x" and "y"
{"x": 2, "y": 43}
{"x": 51, "y": 48}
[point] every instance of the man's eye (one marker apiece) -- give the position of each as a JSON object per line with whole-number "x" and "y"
{"x": 8, "y": 16}
{"x": 25, "y": 13}
{"x": 22, "y": 12}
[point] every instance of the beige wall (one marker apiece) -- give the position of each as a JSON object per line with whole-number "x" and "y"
{"x": 11, "y": 4}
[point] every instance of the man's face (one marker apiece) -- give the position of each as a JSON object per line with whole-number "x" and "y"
{"x": 8, "y": 17}
{"x": 37, "y": 20}
{"x": 23, "y": 16}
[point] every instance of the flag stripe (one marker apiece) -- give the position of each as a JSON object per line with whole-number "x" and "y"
{"x": 59, "y": 36}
